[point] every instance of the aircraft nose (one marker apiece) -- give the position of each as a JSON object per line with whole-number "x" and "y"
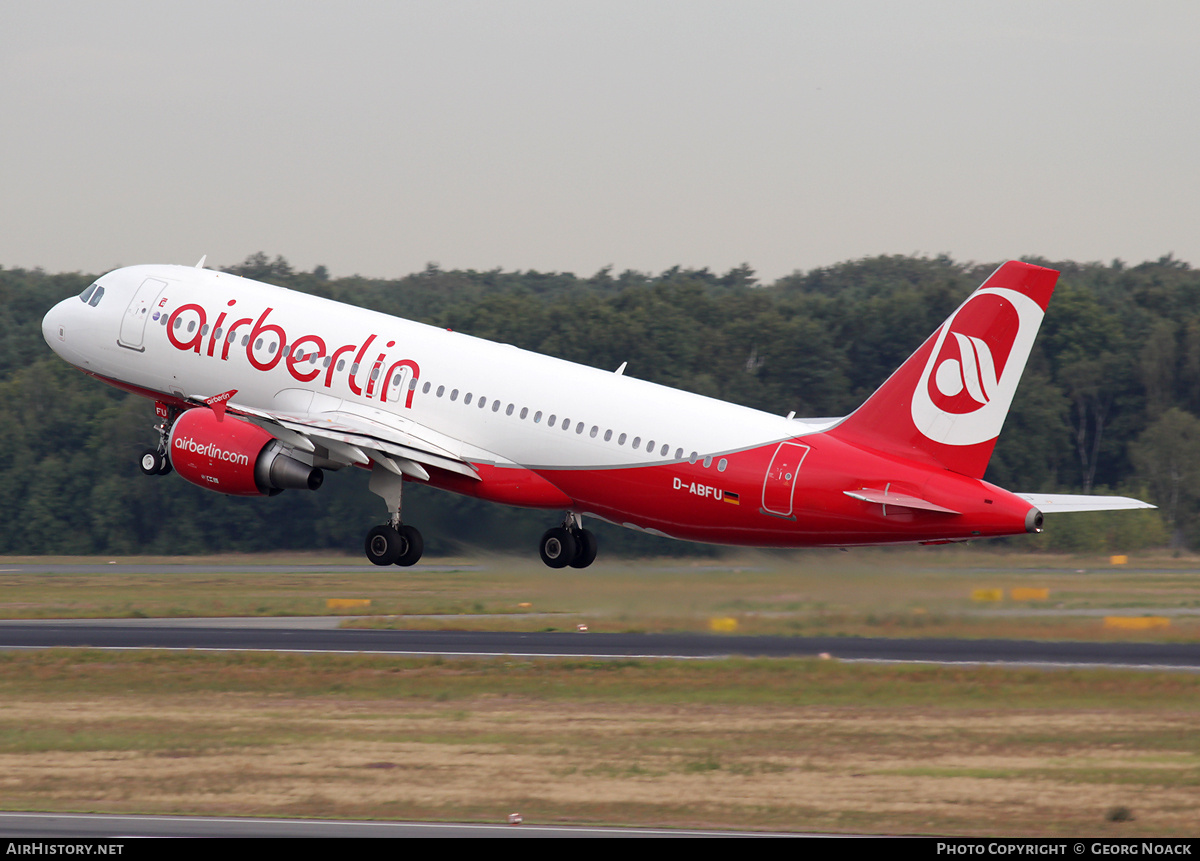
{"x": 54, "y": 327}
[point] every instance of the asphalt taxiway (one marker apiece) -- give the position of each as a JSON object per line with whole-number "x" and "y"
{"x": 320, "y": 634}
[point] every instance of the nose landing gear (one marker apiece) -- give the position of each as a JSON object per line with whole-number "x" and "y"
{"x": 157, "y": 461}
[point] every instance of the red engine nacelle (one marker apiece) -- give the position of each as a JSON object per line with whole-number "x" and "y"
{"x": 235, "y": 457}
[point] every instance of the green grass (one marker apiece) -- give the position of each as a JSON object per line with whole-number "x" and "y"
{"x": 913, "y": 592}
{"x": 761, "y": 682}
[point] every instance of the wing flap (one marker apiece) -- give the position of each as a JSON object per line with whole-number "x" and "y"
{"x": 356, "y": 438}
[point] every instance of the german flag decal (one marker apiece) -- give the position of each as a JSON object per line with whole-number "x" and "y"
{"x": 730, "y": 497}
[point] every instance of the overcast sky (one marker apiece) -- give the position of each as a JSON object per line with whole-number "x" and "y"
{"x": 374, "y": 137}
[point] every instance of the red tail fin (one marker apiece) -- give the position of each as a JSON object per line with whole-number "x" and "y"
{"x": 948, "y": 402}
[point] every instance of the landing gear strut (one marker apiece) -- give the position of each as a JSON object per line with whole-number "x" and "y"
{"x": 569, "y": 544}
{"x": 392, "y": 543}
{"x": 156, "y": 461}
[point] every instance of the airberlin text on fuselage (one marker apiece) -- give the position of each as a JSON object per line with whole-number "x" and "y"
{"x": 298, "y": 351}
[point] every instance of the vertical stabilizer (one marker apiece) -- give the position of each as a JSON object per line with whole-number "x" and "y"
{"x": 948, "y": 402}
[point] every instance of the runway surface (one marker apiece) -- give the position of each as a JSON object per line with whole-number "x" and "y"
{"x": 67, "y": 826}
{"x": 316, "y": 634}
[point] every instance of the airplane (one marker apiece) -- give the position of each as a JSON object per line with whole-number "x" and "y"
{"x": 260, "y": 389}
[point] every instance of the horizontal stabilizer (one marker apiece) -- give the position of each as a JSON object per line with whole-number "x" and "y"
{"x": 1054, "y": 503}
{"x": 899, "y": 500}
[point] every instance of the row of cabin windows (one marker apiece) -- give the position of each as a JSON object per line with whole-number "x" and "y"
{"x": 565, "y": 424}
{"x": 482, "y": 402}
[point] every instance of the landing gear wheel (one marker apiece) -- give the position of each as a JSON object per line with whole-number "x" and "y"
{"x": 165, "y": 469}
{"x": 413, "y": 545}
{"x": 384, "y": 545}
{"x": 151, "y": 462}
{"x": 558, "y": 547}
{"x": 585, "y": 548}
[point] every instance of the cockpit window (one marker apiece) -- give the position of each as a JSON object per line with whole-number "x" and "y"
{"x": 92, "y": 295}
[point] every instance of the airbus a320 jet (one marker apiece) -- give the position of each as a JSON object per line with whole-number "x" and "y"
{"x": 260, "y": 389}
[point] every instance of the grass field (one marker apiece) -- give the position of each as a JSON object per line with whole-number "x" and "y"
{"x": 781, "y": 744}
{"x": 767, "y": 744}
{"x": 925, "y": 592}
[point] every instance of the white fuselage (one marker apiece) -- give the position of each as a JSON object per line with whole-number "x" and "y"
{"x": 481, "y": 400}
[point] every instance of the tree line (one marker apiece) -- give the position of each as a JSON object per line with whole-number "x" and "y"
{"x": 1108, "y": 403}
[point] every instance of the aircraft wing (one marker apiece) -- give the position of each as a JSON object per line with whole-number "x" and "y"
{"x": 358, "y": 437}
{"x": 1054, "y": 503}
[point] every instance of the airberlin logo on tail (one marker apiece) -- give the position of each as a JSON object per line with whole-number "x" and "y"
{"x": 974, "y": 370}
{"x": 969, "y": 380}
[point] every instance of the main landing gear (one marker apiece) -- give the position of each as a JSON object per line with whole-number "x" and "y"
{"x": 392, "y": 543}
{"x": 569, "y": 544}
{"x": 398, "y": 544}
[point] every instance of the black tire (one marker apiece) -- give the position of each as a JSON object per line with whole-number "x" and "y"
{"x": 151, "y": 462}
{"x": 413, "y": 544}
{"x": 557, "y": 547}
{"x": 585, "y": 549}
{"x": 383, "y": 545}
{"x": 165, "y": 469}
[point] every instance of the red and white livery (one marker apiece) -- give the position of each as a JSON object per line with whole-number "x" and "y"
{"x": 261, "y": 389}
